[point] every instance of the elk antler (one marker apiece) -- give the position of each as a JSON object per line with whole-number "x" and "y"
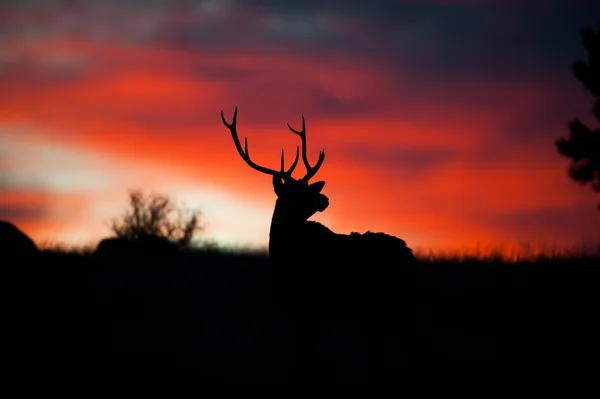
{"x": 310, "y": 170}
{"x": 246, "y": 156}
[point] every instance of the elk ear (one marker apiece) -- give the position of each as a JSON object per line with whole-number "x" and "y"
{"x": 316, "y": 187}
{"x": 277, "y": 185}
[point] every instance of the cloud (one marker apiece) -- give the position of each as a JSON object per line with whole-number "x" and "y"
{"x": 23, "y": 206}
{"x": 21, "y": 213}
{"x": 553, "y": 223}
{"x": 418, "y": 161}
{"x": 432, "y": 40}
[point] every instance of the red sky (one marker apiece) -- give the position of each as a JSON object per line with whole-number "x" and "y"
{"x": 438, "y": 121}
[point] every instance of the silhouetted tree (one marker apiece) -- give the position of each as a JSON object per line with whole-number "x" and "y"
{"x": 583, "y": 144}
{"x": 156, "y": 215}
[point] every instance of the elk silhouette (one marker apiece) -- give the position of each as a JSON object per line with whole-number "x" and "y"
{"x": 319, "y": 274}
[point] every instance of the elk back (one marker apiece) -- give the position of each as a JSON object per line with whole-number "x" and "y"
{"x": 345, "y": 275}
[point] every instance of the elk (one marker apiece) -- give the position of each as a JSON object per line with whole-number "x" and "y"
{"x": 319, "y": 274}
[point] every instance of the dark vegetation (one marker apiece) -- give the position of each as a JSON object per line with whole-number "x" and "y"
{"x": 210, "y": 314}
{"x": 583, "y": 144}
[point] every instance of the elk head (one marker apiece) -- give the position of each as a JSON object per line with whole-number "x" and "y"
{"x": 297, "y": 200}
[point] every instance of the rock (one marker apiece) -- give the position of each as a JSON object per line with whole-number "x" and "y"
{"x": 14, "y": 242}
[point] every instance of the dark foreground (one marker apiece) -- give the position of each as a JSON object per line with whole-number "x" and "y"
{"x": 211, "y": 316}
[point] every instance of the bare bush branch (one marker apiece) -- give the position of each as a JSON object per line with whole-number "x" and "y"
{"x": 156, "y": 215}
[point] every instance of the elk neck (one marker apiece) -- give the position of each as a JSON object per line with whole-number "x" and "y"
{"x": 286, "y": 230}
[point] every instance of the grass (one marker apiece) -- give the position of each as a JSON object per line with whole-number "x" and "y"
{"x": 500, "y": 253}
{"x": 489, "y": 253}
{"x": 210, "y": 312}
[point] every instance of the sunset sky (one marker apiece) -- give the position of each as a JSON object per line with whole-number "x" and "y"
{"x": 438, "y": 118}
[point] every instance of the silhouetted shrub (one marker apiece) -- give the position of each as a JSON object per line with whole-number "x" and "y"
{"x": 154, "y": 215}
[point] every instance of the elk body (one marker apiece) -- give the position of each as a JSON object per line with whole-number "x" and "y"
{"x": 319, "y": 274}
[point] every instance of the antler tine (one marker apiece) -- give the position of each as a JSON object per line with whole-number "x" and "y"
{"x": 288, "y": 173}
{"x": 310, "y": 170}
{"x": 246, "y": 155}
